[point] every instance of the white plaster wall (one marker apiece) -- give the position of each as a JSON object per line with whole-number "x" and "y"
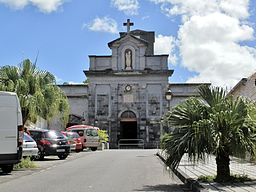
{"x": 77, "y": 98}
{"x": 78, "y": 101}
{"x": 184, "y": 89}
{"x": 182, "y": 92}
{"x": 57, "y": 124}
{"x": 74, "y": 90}
{"x": 78, "y": 106}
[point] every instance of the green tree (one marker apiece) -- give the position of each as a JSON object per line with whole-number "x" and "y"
{"x": 37, "y": 91}
{"x": 213, "y": 124}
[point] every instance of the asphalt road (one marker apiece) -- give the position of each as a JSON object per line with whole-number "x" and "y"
{"x": 100, "y": 171}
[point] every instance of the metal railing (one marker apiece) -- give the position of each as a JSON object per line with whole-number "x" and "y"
{"x": 130, "y": 143}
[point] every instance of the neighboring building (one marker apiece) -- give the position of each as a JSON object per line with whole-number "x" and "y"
{"x": 246, "y": 87}
{"x": 78, "y": 101}
{"x": 126, "y": 90}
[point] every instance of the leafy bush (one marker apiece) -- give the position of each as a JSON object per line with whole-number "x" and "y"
{"x": 103, "y": 136}
{"x": 25, "y": 163}
{"x": 164, "y": 140}
{"x": 208, "y": 178}
{"x": 233, "y": 178}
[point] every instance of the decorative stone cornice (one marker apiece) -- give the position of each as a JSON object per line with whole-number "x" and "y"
{"x": 108, "y": 72}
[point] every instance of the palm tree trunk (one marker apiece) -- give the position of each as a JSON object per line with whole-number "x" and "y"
{"x": 223, "y": 161}
{"x": 24, "y": 112}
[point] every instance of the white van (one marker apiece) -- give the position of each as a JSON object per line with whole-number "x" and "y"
{"x": 11, "y": 131}
{"x": 88, "y": 134}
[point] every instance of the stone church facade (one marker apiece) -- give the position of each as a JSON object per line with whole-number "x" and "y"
{"x": 126, "y": 93}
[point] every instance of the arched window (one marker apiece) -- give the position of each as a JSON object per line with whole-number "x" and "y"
{"x": 128, "y": 114}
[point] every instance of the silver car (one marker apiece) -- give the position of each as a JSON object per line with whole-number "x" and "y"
{"x": 29, "y": 148}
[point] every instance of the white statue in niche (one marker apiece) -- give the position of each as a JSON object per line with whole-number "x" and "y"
{"x": 128, "y": 59}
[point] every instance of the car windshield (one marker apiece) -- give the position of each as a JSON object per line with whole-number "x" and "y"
{"x": 54, "y": 135}
{"x": 72, "y": 135}
{"x": 92, "y": 132}
{"x": 79, "y": 132}
{"x": 26, "y": 137}
{"x": 75, "y": 135}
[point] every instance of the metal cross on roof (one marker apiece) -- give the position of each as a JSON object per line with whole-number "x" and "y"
{"x": 128, "y": 24}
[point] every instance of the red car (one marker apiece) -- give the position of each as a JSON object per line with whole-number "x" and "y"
{"x": 75, "y": 141}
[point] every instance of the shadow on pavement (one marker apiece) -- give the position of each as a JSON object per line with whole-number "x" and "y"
{"x": 171, "y": 187}
{"x": 249, "y": 183}
{"x": 4, "y": 174}
{"x": 49, "y": 159}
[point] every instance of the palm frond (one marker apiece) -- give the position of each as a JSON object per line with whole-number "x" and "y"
{"x": 212, "y": 125}
{"x": 37, "y": 91}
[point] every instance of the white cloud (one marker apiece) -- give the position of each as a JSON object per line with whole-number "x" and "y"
{"x": 166, "y": 45}
{"x": 104, "y": 24}
{"x": 187, "y": 7}
{"x": 234, "y": 8}
{"x": 211, "y": 38}
{"x": 129, "y": 7}
{"x": 46, "y": 6}
{"x": 237, "y": 8}
{"x": 16, "y": 4}
{"x": 73, "y": 83}
{"x": 60, "y": 81}
{"x": 215, "y": 27}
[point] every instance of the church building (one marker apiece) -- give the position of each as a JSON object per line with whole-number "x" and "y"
{"x": 128, "y": 91}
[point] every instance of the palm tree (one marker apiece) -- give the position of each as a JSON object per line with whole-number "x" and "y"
{"x": 213, "y": 124}
{"x": 36, "y": 89}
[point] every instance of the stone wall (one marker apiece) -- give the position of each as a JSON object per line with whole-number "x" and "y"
{"x": 78, "y": 101}
{"x": 246, "y": 87}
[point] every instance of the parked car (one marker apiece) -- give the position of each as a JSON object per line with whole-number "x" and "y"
{"x": 88, "y": 134}
{"x": 75, "y": 141}
{"x": 29, "y": 147}
{"x": 50, "y": 142}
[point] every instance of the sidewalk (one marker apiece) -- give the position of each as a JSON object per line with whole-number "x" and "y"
{"x": 190, "y": 172}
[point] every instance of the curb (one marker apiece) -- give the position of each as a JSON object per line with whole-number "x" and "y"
{"x": 191, "y": 183}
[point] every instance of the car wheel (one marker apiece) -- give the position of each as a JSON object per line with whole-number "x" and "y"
{"x": 93, "y": 148}
{"x": 63, "y": 156}
{"x": 78, "y": 150}
{"x": 7, "y": 168}
{"x": 39, "y": 156}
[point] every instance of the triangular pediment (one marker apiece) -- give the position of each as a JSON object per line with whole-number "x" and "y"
{"x": 127, "y": 37}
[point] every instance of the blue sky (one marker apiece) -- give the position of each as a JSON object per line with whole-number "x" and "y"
{"x": 208, "y": 40}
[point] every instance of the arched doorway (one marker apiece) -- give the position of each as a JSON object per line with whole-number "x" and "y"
{"x": 128, "y": 124}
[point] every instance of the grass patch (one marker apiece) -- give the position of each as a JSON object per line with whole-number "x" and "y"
{"x": 236, "y": 178}
{"x": 205, "y": 179}
{"x": 240, "y": 178}
{"x": 25, "y": 163}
